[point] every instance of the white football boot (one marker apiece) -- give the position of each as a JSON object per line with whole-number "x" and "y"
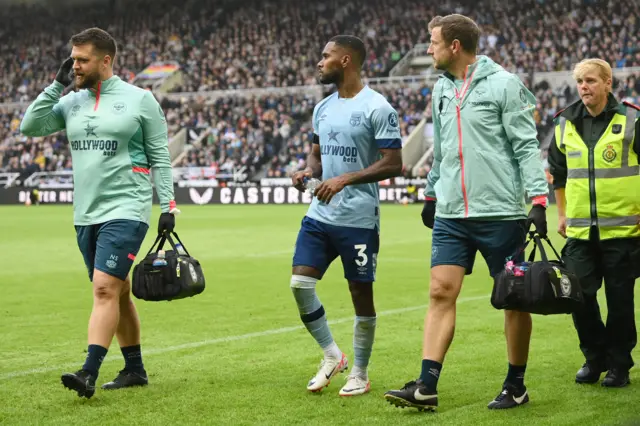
{"x": 355, "y": 385}
{"x": 329, "y": 368}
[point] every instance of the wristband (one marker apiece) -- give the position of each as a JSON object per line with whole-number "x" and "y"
{"x": 540, "y": 200}
{"x": 173, "y": 209}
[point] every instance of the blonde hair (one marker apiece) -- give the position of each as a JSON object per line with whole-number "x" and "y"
{"x": 602, "y": 67}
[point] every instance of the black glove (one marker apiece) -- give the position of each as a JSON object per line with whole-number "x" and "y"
{"x": 429, "y": 213}
{"x": 64, "y": 73}
{"x": 166, "y": 223}
{"x": 538, "y": 216}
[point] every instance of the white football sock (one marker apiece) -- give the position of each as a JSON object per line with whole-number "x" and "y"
{"x": 332, "y": 351}
{"x": 360, "y": 372}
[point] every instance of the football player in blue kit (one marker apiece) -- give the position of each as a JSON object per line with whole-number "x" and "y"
{"x": 356, "y": 144}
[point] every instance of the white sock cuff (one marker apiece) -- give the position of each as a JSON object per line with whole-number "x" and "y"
{"x": 301, "y": 281}
{"x": 332, "y": 350}
{"x": 360, "y": 371}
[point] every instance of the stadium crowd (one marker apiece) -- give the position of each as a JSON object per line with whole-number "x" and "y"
{"x": 278, "y": 42}
{"x": 411, "y": 104}
{"x": 272, "y": 43}
{"x": 241, "y": 132}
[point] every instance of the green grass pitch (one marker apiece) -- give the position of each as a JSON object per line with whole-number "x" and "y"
{"x": 238, "y": 355}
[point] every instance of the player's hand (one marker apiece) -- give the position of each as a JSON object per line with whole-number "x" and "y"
{"x": 167, "y": 222}
{"x": 64, "y": 73}
{"x": 562, "y": 226}
{"x": 429, "y": 212}
{"x": 298, "y": 179}
{"x": 538, "y": 217}
{"x": 330, "y": 187}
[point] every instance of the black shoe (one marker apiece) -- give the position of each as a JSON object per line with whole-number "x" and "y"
{"x": 616, "y": 378}
{"x": 127, "y": 379}
{"x": 509, "y": 397}
{"x": 81, "y": 381}
{"x": 413, "y": 394}
{"x": 589, "y": 373}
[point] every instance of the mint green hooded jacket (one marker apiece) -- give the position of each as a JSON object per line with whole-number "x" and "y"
{"x": 486, "y": 151}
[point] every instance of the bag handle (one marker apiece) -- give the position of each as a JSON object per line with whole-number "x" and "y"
{"x": 179, "y": 241}
{"x": 558, "y": 257}
{"x": 162, "y": 238}
{"x": 523, "y": 248}
{"x": 537, "y": 242}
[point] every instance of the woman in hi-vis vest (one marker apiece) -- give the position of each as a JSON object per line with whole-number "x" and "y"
{"x": 594, "y": 162}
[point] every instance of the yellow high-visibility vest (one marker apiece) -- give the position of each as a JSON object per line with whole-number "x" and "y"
{"x": 603, "y": 184}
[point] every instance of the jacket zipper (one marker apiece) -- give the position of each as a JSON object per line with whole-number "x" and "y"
{"x": 460, "y": 98}
{"x": 95, "y": 107}
{"x": 464, "y": 188}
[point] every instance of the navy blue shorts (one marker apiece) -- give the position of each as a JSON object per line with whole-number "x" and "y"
{"x": 456, "y": 241}
{"x": 111, "y": 247}
{"x": 318, "y": 244}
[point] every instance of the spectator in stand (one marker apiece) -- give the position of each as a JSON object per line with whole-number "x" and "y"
{"x": 244, "y": 132}
{"x": 628, "y": 89}
{"x": 270, "y": 43}
{"x": 409, "y": 102}
{"x": 250, "y": 132}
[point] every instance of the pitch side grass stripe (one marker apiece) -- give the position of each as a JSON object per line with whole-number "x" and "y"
{"x": 60, "y": 368}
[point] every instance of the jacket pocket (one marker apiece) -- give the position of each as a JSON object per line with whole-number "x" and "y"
{"x": 449, "y": 186}
{"x": 490, "y": 183}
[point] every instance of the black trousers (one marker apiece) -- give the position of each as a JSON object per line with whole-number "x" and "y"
{"x": 617, "y": 261}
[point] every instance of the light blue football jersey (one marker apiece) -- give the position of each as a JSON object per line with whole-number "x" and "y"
{"x": 351, "y": 133}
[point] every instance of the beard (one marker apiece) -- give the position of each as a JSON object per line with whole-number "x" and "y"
{"x": 88, "y": 80}
{"x": 441, "y": 65}
{"x": 334, "y": 77}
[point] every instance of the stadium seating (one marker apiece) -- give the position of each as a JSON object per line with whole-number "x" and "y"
{"x": 243, "y": 132}
{"x": 277, "y": 43}
{"x": 410, "y": 103}
{"x": 247, "y": 132}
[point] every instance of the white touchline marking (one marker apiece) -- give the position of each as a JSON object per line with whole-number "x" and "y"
{"x": 219, "y": 340}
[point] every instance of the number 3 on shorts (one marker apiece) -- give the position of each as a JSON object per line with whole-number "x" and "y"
{"x": 362, "y": 258}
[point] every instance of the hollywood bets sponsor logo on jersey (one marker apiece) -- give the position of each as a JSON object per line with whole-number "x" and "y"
{"x": 108, "y": 147}
{"x": 349, "y": 154}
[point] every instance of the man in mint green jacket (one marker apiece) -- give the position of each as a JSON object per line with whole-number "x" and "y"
{"x": 486, "y": 162}
{"x": 117, "y": 134}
